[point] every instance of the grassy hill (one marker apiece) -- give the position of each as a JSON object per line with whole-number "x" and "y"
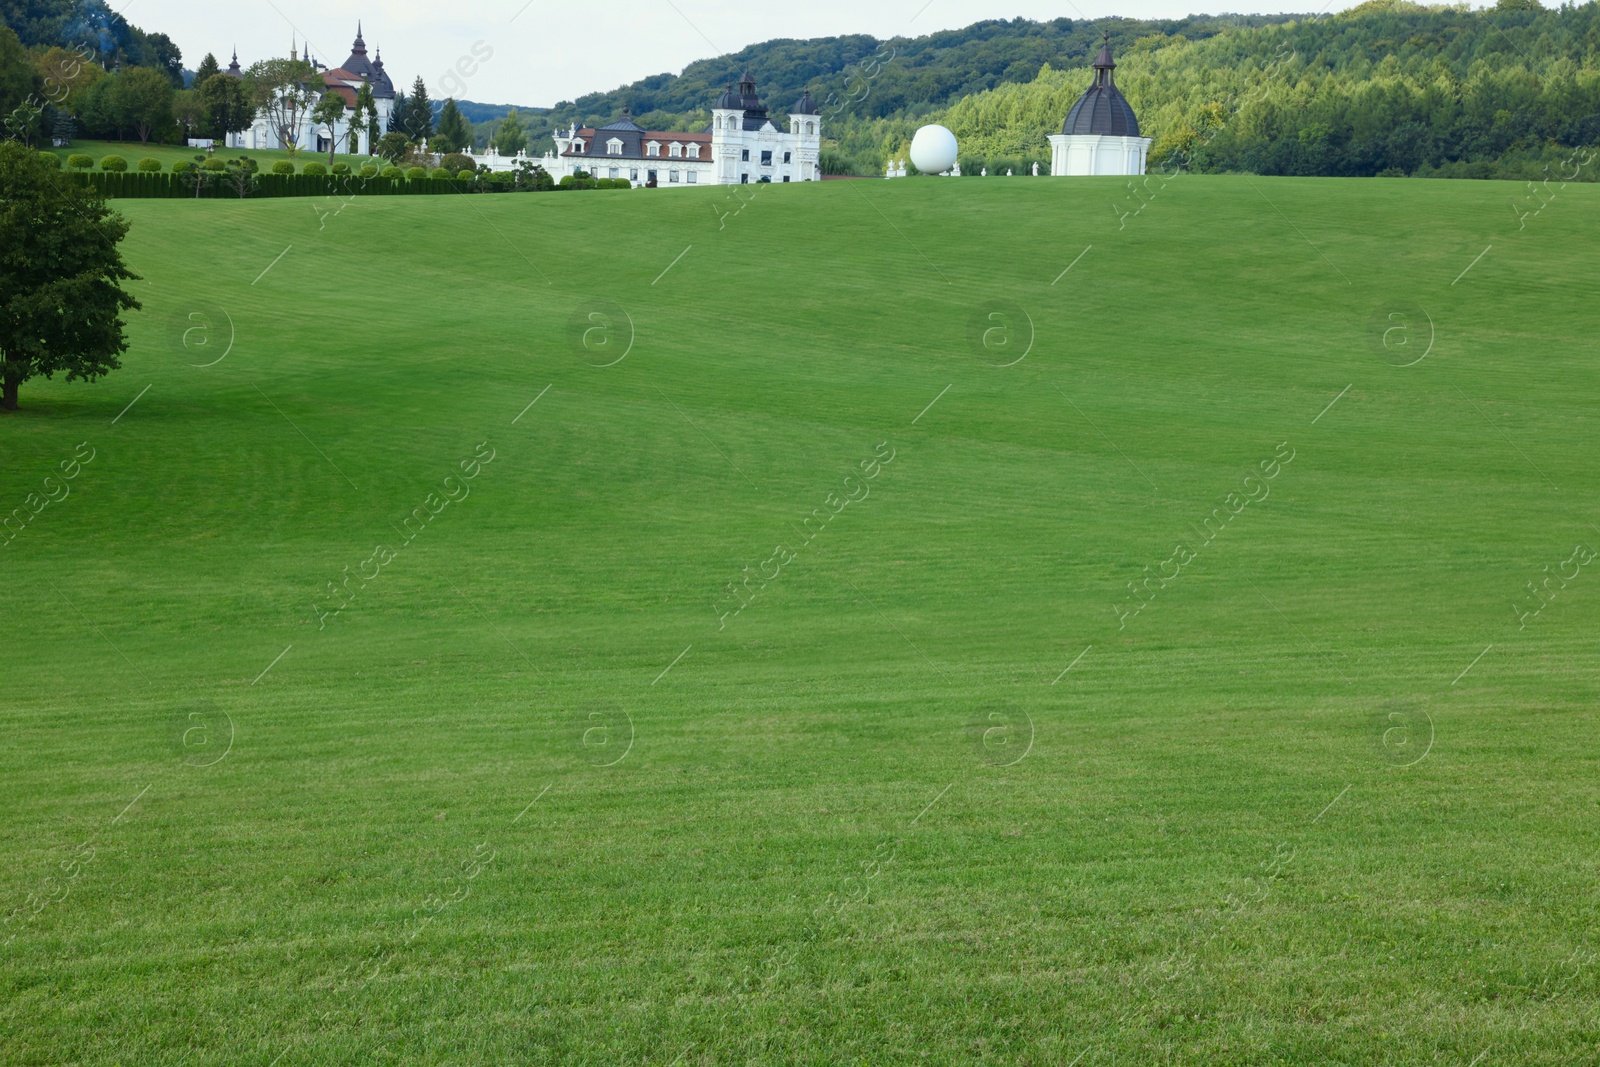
{"x": 941, "y": 791}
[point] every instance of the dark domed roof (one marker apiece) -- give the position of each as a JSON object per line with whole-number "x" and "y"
{"x": 806, "y": 106}
{"x": 730, "y": 100}
{"x": 1102, "y": 109}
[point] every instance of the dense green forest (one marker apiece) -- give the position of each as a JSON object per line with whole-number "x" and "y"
{"x": 1386, "y": 88}
{"x": 108, "y": 37}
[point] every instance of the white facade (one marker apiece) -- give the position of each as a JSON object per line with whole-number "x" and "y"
{"x": 742, "y": 147}
{"x": 1082, "y": 155}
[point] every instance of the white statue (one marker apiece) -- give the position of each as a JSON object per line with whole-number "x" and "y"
{"x": 985, "y": 173}
{"x": 955, "y": 171}
{"x": 1008, "y": 172}
{"x": 1036, "y": 169}
{"x": 888, "y": 171}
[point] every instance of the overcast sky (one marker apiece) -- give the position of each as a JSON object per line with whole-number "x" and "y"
{"x": 560, "y": 49}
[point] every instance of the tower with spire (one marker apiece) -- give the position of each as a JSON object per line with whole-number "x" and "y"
{"x": 344, "y": 81}
{"x": 1101, "y": 133}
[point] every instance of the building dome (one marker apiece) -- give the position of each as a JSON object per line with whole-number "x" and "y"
{"x": 729, "y": 100}
{"x": 1102, "y": 109}
{"x": 806, "y": 106}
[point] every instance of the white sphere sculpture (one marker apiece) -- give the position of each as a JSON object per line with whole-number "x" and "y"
{"x": 934, "y": 150}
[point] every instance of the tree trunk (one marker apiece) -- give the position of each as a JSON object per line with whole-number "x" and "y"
{"x": 8, "y": 402}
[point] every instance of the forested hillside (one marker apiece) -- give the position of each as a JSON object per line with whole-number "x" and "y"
{"x": 1387, "y": 88}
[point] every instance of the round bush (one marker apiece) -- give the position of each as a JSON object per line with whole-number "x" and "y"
{"x": 283, "y": 166}
{"x": 79, "y": 162}
{"x": 149, "y": 165}
{"x": 416, "y": 173}
{"x": 341, "y": 168}
{"x": 314, "y": 168}
{"x": 114, "y": 164}
{"x": 393, "y": 172}
{"x": 215, "y": 164}
{"x": 457, "y": 161}
{"x": 438, "y": 172}
{"x": 466, "y": 175}
{"x": 369, "y": 171}
{"x": 51, "y": 160}
{"x": 182, "y": 166}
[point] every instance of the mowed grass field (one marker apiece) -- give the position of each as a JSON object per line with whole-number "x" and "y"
{"x": 929, "y": 786}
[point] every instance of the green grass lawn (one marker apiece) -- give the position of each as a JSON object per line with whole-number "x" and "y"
{"x": 168, "y": 154}
{"x": 933, "y": 789}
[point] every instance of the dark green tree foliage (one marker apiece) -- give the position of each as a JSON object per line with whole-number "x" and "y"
{"x": 61, "y": 298}
{"x": 21, "y": 105}
{"x": 226, "y": 106}
{"x": 144, "y": 99}
{"x": 453, "y": 133}
{"x": 113, "y": 40}
{"x": 417, "y": 120}
{"x": 207, "y": 68}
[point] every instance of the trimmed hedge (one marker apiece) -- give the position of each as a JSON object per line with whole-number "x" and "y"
{"x": 172, "y": 185}
{"x": 113, "y": 164}
{"x": 368, "y": 171}
{"x": 182, "y": 166}
{"x": 51, "y": 160}
{"x": 416, "y": 173}
{"x": 80, "y": 162}
{"x": 310, "y": 168}
{"x": 283, "y": 166}
{"x": 215, "y": 164}
{"x": 149, "y": 165}
{"x": 391, "y": 172}
{"x": 338, "y": 168}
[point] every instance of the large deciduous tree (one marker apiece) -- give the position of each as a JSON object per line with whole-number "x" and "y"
{"x": 61, "y": 298}
{"x": 282, "y": 91}
{"x": 228, "y": 109}
{"x": 144, "y": 96}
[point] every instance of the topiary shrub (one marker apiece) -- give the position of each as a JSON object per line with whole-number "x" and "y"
{"x": 369, "y": 171}
{"x": 466, "y": 175}
{"x": 341, "y": 168}
{"x": 438, "y": 172}
{"x": 149, "y": 165}
{"x": 283, "y": 166}
{"x": 416, "y": 173}
{"x": 182, "y": 166}
{"x": 51, "y": 160}
{"x": 79, "y": 162}
{"x": 114, "y": 164}
{"x": 457, "y": 161}
{"x": 215, "y": 164}
{"x": 314, "y": 168}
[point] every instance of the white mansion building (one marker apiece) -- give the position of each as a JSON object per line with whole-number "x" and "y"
{"x": 741, "y": 146}
{"x": 345, "y": 81}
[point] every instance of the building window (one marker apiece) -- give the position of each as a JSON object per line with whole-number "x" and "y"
{"x": 811, "y": 129}
{"x": 694, "y": 177}
{"x": 785, "y": 177}
{"x": 653, "y": 149}
{"x": 766, "y": 159}
{"x": 652, "y": 177}
{"x": 744, "y": 179}
{"x": 744, "y": 155}
{"x": 786, "y": 156}
{"x": 675, "y": 151}
{"x": 616, "y": 172}
{"x": 694, "y": 151}
{"x": 633, "y": 174}
{"x": 672, "y": 176}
